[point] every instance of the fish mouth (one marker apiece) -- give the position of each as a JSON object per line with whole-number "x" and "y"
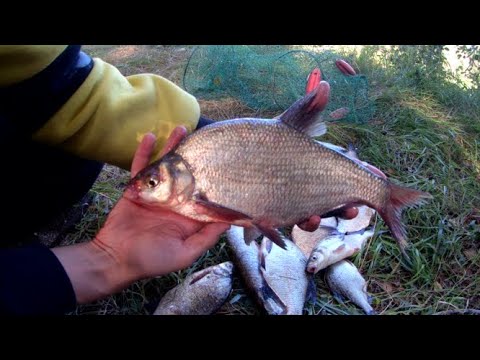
{"x": 133, "y": 182}
{"x": 132, "y": 190}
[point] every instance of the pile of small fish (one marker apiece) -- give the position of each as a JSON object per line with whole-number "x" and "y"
{"x": 281, "y": 281}
{"x": 328, "y": 249}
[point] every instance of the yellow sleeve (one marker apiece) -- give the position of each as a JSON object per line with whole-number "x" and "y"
{"x": 20, "y": 62}
{"x": 108, "y": 115}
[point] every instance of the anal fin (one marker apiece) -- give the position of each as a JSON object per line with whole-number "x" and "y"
{"x": 272, "y": 234}
{"x": 250, "y": 234}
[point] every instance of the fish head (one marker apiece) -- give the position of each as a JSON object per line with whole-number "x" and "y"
{"x": 315, "y": 262}
{"x": 224, "y": 270}
{"x": 165, "y": 183}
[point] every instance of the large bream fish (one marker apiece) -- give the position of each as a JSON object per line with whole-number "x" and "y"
{"x": 266, "y": 174}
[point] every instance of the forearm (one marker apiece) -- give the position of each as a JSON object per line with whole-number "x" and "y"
{"x": 35, "y": 280}
{"x": 93, "y": 272}
{"x": 109, "y": 114}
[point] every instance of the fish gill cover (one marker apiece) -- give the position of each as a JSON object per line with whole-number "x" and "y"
{"x": 273, "y": 77}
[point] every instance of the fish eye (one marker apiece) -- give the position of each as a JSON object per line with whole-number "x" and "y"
{"x": 152, "y": 182}
{"x": 314, "y": 257}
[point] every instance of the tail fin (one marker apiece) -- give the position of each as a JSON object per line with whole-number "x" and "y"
{"x": 400, "y": 198}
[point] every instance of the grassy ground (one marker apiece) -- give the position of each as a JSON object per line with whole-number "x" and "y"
{"x": 426, "y": 136}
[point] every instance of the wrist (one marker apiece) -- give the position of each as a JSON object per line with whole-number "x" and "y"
{"x": 93, "y": 270}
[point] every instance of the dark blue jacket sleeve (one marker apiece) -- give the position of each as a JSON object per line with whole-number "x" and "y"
{"x": 34, "y": 282}
{"x": 25, "y": 107}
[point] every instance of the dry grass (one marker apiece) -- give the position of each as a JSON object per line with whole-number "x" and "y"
{"x": 164, "y": 60}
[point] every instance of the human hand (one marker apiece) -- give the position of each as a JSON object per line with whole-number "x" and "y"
{"x": 151, "y": 241}
{"x": 136, "y": 242}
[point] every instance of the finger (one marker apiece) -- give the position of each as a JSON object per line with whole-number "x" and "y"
{"x": 203, "y": 240}
{"x": 349, "y": 213}
{"x": 311, "y": 224}
{"x": 143, "y": 153}
{"x": 177, "y": 135}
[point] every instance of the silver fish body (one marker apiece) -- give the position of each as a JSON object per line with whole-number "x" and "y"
{"x": 345, "y": 280}
{"x": 334, "y": 240}
{"x": 335, "y": 248}
{"x": 247, "y": 260}
{"x": 201, "y": 293}
{"x": 284, "y": 274}
{"x": 307, "y": 241}
{"x": 275, "y": 276}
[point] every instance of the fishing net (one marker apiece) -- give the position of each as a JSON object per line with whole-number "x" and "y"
{"x": 271, "y": 78}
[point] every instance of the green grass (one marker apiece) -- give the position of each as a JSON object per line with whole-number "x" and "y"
{"x": 426, "y": 137}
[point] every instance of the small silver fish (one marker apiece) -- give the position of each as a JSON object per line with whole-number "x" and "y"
{"x": 284, "y": 275}
{"x": 336, "y": 247}
{"x": 335, "y": 239}
{"x": 201, "y": 293}
{"x": 276, "y": 277}
{"x": 345, "y": 280}
{"x": 247, "y": 259}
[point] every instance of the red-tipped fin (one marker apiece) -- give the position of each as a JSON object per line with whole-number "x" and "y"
{"x": 271, "y": 233}
{"x": 313, "y": 80}
{"x": 305, "y": 114}
{"x": 400, "y": 198}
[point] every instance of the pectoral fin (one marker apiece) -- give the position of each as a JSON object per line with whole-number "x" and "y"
{"x": 218, "y": 212}
{"x": 271, "y": 233}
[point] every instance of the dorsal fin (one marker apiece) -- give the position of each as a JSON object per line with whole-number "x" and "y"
{"x": 304, "y": 114}
{"x": 352, "y": 152}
